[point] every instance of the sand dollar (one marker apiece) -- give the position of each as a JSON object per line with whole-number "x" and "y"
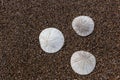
{"x": 83, "y": 25}
{"x": 51, "y": 40}
{"x": 83, "y": 62}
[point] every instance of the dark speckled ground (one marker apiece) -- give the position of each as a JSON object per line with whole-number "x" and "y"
{"x": 21, "y": 21}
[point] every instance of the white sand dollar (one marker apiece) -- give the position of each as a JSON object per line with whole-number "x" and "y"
{"x": 83, "y": 62}
{"x": 83, "y": 25}
{"x": 51, "y": 40}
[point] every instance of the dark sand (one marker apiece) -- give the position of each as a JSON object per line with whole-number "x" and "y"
{"x": 21, "y": 22}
